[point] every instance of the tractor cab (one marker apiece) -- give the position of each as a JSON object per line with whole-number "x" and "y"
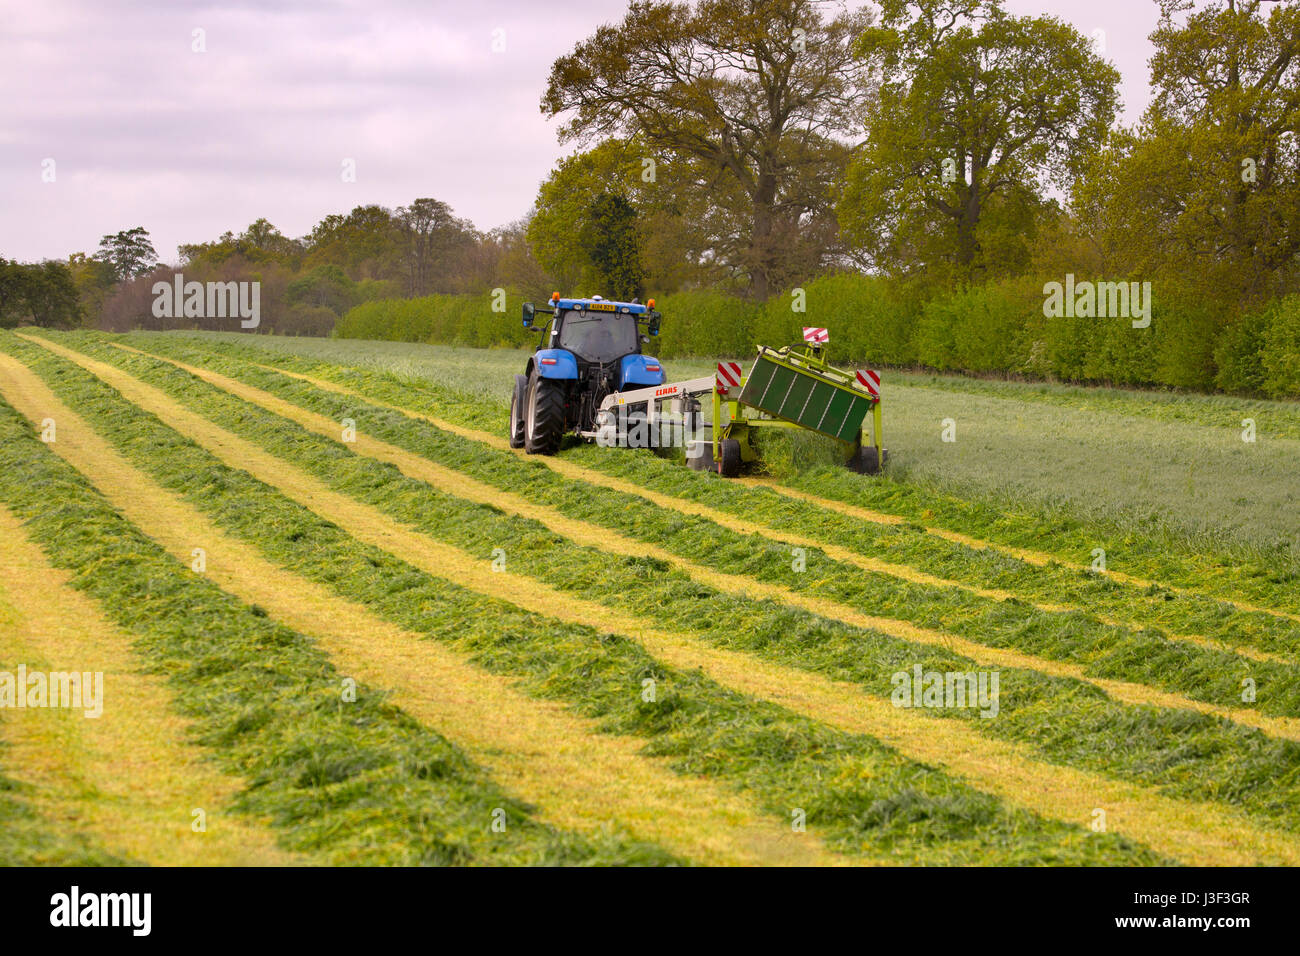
{"x": 596, "y": 332}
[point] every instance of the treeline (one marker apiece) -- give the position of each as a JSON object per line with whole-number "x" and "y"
{"x": 38, "y": 293}
{"x": 305, "y": 284}
{"x": 995, "y": 328}
{"x": 986, "y": 168}
{"x": 975, "y": 119}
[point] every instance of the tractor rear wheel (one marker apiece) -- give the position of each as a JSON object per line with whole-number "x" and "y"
{"x": 729, "y": 450}
{"x": 517, "y": 401}
{"x": 544, "y": 416}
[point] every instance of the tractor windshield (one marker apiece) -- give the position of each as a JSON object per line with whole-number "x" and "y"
{"x": 598, "y": 336}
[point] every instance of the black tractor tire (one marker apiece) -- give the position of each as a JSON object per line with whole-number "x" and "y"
{"x": 517, "y": 416}
{"x": 866, "y": 462}
{"x": 543, "y": 416}
{"x": 729, "y": 450}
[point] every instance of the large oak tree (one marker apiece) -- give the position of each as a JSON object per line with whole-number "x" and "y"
{"x": 130, "y": 252}
{"x": 755, "y": 92}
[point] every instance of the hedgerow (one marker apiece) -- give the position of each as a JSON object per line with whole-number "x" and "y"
{"x": 993, "y": 328}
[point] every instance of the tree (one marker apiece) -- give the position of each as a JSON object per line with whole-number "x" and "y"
{"x": 977, "y": 111}
{"x": 38, "y": 293}
{"x": 94, "y": 280}
{"x": 671, "y": 217}
{"x": 323, "y": 287}
{"x": 50, "y": 296}
{"x": 1208, "y": 186}
{"x": 609, "y": 239}
{"x": 365, "y": 243}
{"x": 514, "y": 264}
{"x": 263, "y": 242}
{"x": 260, "y": 242}
{"x": 129, "y": 252}
{"x": 564, "y": 199}
{"x": 754, "y": 91}
{"x": 433, "y": 241}
{"x": 13, "y": 280}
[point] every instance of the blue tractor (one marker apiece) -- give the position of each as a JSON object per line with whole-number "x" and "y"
{"x": 590, "y": 349}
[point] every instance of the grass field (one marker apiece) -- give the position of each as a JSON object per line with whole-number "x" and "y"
{"x": 1172, "y": 465}
{"x": 415, "y": 645}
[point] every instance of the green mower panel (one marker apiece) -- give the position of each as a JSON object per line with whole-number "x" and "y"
{"x": 783, "y": 386}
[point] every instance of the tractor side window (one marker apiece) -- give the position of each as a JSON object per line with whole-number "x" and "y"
{"x": 598, "y": 336}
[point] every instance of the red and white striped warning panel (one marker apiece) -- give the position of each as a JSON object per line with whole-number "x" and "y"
{"x": 728, "y": 376}
{"x": 816, "y": 336}
{"x": 870, "y": 380}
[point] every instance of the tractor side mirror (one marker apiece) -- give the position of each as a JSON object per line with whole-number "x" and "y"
{"x": 653, "y": 325}
{"x": 530, "y": 310}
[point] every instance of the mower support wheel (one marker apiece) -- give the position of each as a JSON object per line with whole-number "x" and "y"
{"x": 729, "y": 466}
{"x": 865, "y": 461}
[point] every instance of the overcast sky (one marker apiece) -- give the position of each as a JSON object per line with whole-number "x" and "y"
{"x": 142, "y": 130}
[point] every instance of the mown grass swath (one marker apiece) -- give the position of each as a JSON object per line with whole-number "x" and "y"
{"x": 1228, "y": 573}
{"x": 354, "y": 783}
{"x": 860, "y": 796}
{"x": 29, "y": 839}
{"x": 1184, "y": 753}
{"x": 26, "y": 837}
{"x": 1106, "y": 650}
{"x": 907, "y": 544}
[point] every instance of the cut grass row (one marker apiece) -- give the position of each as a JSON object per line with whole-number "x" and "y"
{"x": 1046, "y": 582}
{"x": 1070, "y": 723}
{"x": 75, "y": 762}
{"x": 360, "y": 783}
{"x": 1108, "y": 652}
{"x": 483, "y": 493}
{"x": 860, "y": 796}
{"x": 910, "y": 553}
{"x": 1159, "y": 606}
{"x": 29, "y": 839}
{"x": 459, "y": 485}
